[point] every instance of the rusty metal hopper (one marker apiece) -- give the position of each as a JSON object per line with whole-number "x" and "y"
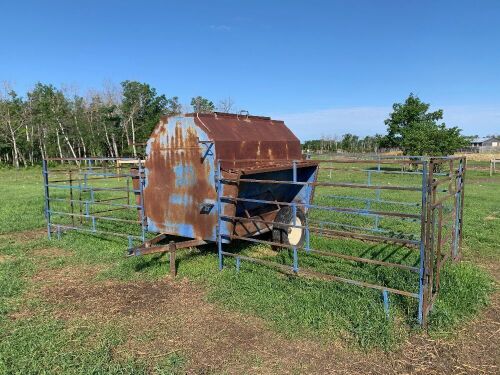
{"x": 181, "y": 162}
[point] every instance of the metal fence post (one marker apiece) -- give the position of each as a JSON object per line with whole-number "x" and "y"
{"x": 294, "y": 220}
{"x": 385, "y": 295}
{"x": 464, "y": 169}
{"x": 460, "y": 208}
{"x": 428, "y": 268}
{"x": 141, "y": 192}
{"x": 45, "y": 172}
{"x": 423, "y": 235}
{"x": 307, "y": 207}
{"x": 218, "y": 180}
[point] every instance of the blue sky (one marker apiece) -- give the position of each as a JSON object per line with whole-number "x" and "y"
{"x": 325, "y": 67}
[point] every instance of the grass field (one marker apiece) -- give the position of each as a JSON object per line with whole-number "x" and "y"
{"x": 77, "y": 305}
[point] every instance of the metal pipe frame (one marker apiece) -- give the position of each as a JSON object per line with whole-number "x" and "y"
{"x": 430, "y": 244}
{"x": 431, "y": 258}
{"x": 83, "y": 176}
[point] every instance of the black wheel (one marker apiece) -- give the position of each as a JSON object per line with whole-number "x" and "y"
{"x": 289, "y": 235}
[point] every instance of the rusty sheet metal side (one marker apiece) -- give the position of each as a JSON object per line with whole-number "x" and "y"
{"x": 241, "y": 137}
{"x": 179, "y": 180}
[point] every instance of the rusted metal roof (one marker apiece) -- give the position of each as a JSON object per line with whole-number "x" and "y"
{"x": 239, "y": 137}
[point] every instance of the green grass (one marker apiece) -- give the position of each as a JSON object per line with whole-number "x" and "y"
{"x": 21, "y": 205}
{"x": 295, "y": 307}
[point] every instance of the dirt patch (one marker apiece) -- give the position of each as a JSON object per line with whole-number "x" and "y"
{"x": 25, "y": 236}
{"x": 493, "y": 216}
{"x": 483, "y": 180}
{"x": 22, "y": 314}
{"x": 51, "y": 252}
{"x": 5, "y": 258}
{"x": 173, "y": 316}
{"x": 67, "y": 277}
{"x": 474, "y": 349}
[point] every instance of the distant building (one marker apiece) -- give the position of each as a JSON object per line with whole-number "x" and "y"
{"x": 486, "y": 144}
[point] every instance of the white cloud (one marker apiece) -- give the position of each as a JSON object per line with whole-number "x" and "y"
{"x": 363, "y": 121}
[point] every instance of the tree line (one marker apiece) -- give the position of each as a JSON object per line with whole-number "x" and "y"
{"x": 50, "y": 122}
{"x": 347, "y": 143}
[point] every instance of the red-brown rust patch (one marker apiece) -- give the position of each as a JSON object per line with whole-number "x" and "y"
{"x": 193, "y": 188}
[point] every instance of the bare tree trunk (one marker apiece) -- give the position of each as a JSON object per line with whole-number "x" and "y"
{"x": 80, "y": 136}
{"x": 133, "y": 137}
{"x": 23, "y": 159}
{"x": 15, "y": 151}
{"x": 40, "y": 146}
{"x": 41, "y": 141}
{"x": 108, "y": 143}
{"x": 59, "y": 145}
{"x": 125, "y": 127}
{"x": 115, "y": 145}
{"x": 63, "y": 133}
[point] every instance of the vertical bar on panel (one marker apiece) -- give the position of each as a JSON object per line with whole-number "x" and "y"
{"x": 218, "y": 180}
{"x": 385, "y": 295}
{"x": 307, "y": 206}
{"x": 45, "y": 172}
{"x": 295, "y": 260}
{"x": 429, "y": 244}
{"x": 141, "y": 191}
{"x": 71, "y": 197}
{"x": 463, "y": 167}
{"x": 294, "y": 219}
{"x": 422, "y": 243}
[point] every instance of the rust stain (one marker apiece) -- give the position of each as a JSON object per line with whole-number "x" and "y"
{"x": 172, "y": 200}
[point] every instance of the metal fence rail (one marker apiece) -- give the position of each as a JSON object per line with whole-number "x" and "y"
{"x": 95, "y": 195}
{"x": 433, "y": 204}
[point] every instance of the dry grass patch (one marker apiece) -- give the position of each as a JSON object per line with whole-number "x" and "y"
{"x": 5, "y": 258}
{"x": 24, "y": 236}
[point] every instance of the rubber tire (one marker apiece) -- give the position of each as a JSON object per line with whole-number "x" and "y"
{"x": 280, "y": 235}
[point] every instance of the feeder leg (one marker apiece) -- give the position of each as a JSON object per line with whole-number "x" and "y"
{"x": 172, "y": 252}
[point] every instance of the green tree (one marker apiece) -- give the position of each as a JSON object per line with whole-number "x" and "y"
{"x": 202, "y": 105}
{"x": 416, "y": 131}
{"x": 11, "y": 125}
{"x": 141, "y": 111}
{"x": 174, "y": 108}
{"x": 50, "y": 111}
{"x": 349, "y": 142}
